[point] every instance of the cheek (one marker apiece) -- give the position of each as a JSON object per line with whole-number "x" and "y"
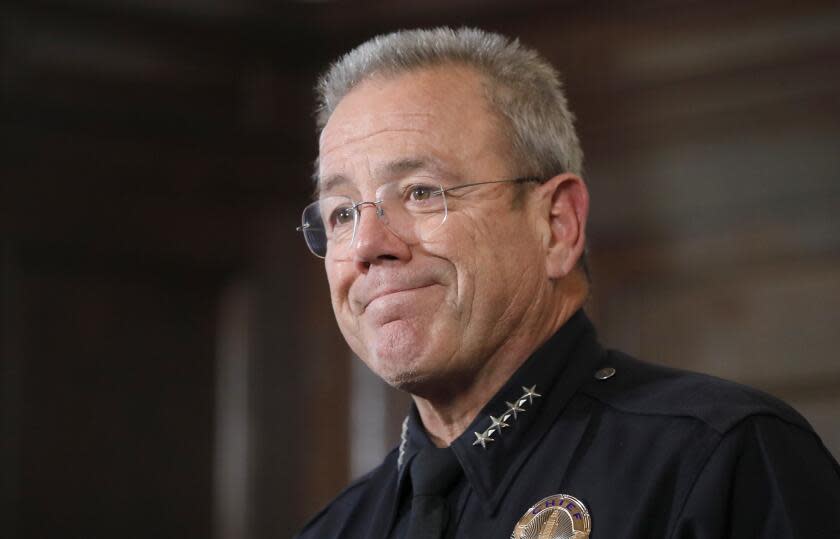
{"x": 497, "y": 270}
{"x": 339, "y": 278}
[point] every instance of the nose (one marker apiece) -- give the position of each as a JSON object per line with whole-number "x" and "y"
{"x": 373, "y": 241}
{"x": 377, "y": 207}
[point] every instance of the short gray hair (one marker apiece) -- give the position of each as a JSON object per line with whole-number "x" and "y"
{"x": 523, "y": 87}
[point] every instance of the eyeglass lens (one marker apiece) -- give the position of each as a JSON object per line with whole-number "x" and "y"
{"x": 411, "y": 212}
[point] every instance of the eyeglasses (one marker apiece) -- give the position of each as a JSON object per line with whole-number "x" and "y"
{"x": 409, "y": 209}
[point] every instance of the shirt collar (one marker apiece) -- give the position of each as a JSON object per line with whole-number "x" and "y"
{"x": 528, "y": 404}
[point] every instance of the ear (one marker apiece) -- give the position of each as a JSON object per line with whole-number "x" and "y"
{"x": 568, "y": 209}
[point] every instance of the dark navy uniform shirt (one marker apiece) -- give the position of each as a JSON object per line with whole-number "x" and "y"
{"x": 651, "y": 452}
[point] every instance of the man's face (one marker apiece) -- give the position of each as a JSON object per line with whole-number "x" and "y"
{"x": 421, "y": 312}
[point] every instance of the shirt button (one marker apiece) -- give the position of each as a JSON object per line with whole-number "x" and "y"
{"x": 603, "y": 374}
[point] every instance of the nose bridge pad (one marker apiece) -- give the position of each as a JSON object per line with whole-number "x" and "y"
{"x": 380, "y": 214}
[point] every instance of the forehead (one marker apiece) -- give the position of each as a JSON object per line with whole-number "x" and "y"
{"x": 438, "y": 115}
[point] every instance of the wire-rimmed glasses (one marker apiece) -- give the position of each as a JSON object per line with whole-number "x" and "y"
{"x": 412, "y": 210}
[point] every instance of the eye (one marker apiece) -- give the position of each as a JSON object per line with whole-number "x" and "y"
{"x": 420, "y": 193}
{"x": 342, "y": 215}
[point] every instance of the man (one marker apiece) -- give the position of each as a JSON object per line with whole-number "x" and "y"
{"x": 451, "y": 215}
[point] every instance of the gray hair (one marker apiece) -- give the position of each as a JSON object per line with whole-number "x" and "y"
{"x": 523, "y": 87}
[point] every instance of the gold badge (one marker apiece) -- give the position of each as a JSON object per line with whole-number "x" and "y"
{"x": 557, "y": 517}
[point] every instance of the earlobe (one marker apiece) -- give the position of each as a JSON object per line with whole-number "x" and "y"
{"x": 567, "y": 214}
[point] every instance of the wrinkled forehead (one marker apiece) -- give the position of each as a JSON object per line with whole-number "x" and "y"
{"x": 376, "y": 148}
{"x": 413, "y": 91}
{"x": 344, "y": 129}
{"x": 437, "y": 115}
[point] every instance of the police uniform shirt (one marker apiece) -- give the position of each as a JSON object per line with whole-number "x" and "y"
{"x": 650, "y": 452}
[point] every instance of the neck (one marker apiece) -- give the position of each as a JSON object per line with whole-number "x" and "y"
{"x": 446, "y": 414}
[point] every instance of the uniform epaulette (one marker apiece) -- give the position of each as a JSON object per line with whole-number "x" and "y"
{"x": 645, "y": 388}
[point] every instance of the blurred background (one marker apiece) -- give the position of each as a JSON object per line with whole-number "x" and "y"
{"x": 170, "y": 363}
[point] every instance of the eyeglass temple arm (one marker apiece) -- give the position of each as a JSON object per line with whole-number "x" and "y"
{"x": 525, "y": 179}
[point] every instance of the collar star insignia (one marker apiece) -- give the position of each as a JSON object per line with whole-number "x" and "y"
{"x": 498, "y": 423}
{"x": 513, "y": 408}
{"x": 530, "y": 393}
{"x": 481, "y": 438}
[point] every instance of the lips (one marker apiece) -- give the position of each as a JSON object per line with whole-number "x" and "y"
{"x": 366, "y": 299}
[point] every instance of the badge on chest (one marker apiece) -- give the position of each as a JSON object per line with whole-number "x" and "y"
{"x": 556, "y": 517}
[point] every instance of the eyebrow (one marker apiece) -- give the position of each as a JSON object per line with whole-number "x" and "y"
{"x": 331, "y": 182}
{"x": 404, "y": 166}
{"x": 389, "y": 170}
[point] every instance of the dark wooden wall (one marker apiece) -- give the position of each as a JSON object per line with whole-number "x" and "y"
{"x": 111, "y": 411}
{"x": 170, "y": 366}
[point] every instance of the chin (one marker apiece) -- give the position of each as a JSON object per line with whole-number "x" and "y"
{"x": 414, "y": 380}
{"x": 408, "y": 353}
{"x": 407, "y": 380}
{"x": 397, "y": 342}
{"x": 398, "y": 355}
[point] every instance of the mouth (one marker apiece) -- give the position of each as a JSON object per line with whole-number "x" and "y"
{"x": 393, "y": 291}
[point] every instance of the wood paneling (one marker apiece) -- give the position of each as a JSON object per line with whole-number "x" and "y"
{"x": 114, "y": 411}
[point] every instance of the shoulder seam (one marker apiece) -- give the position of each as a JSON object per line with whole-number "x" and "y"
{"x": 624, "y": 410}
{"x": 721, "y": 432}
{"x": 762, "y": 404}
